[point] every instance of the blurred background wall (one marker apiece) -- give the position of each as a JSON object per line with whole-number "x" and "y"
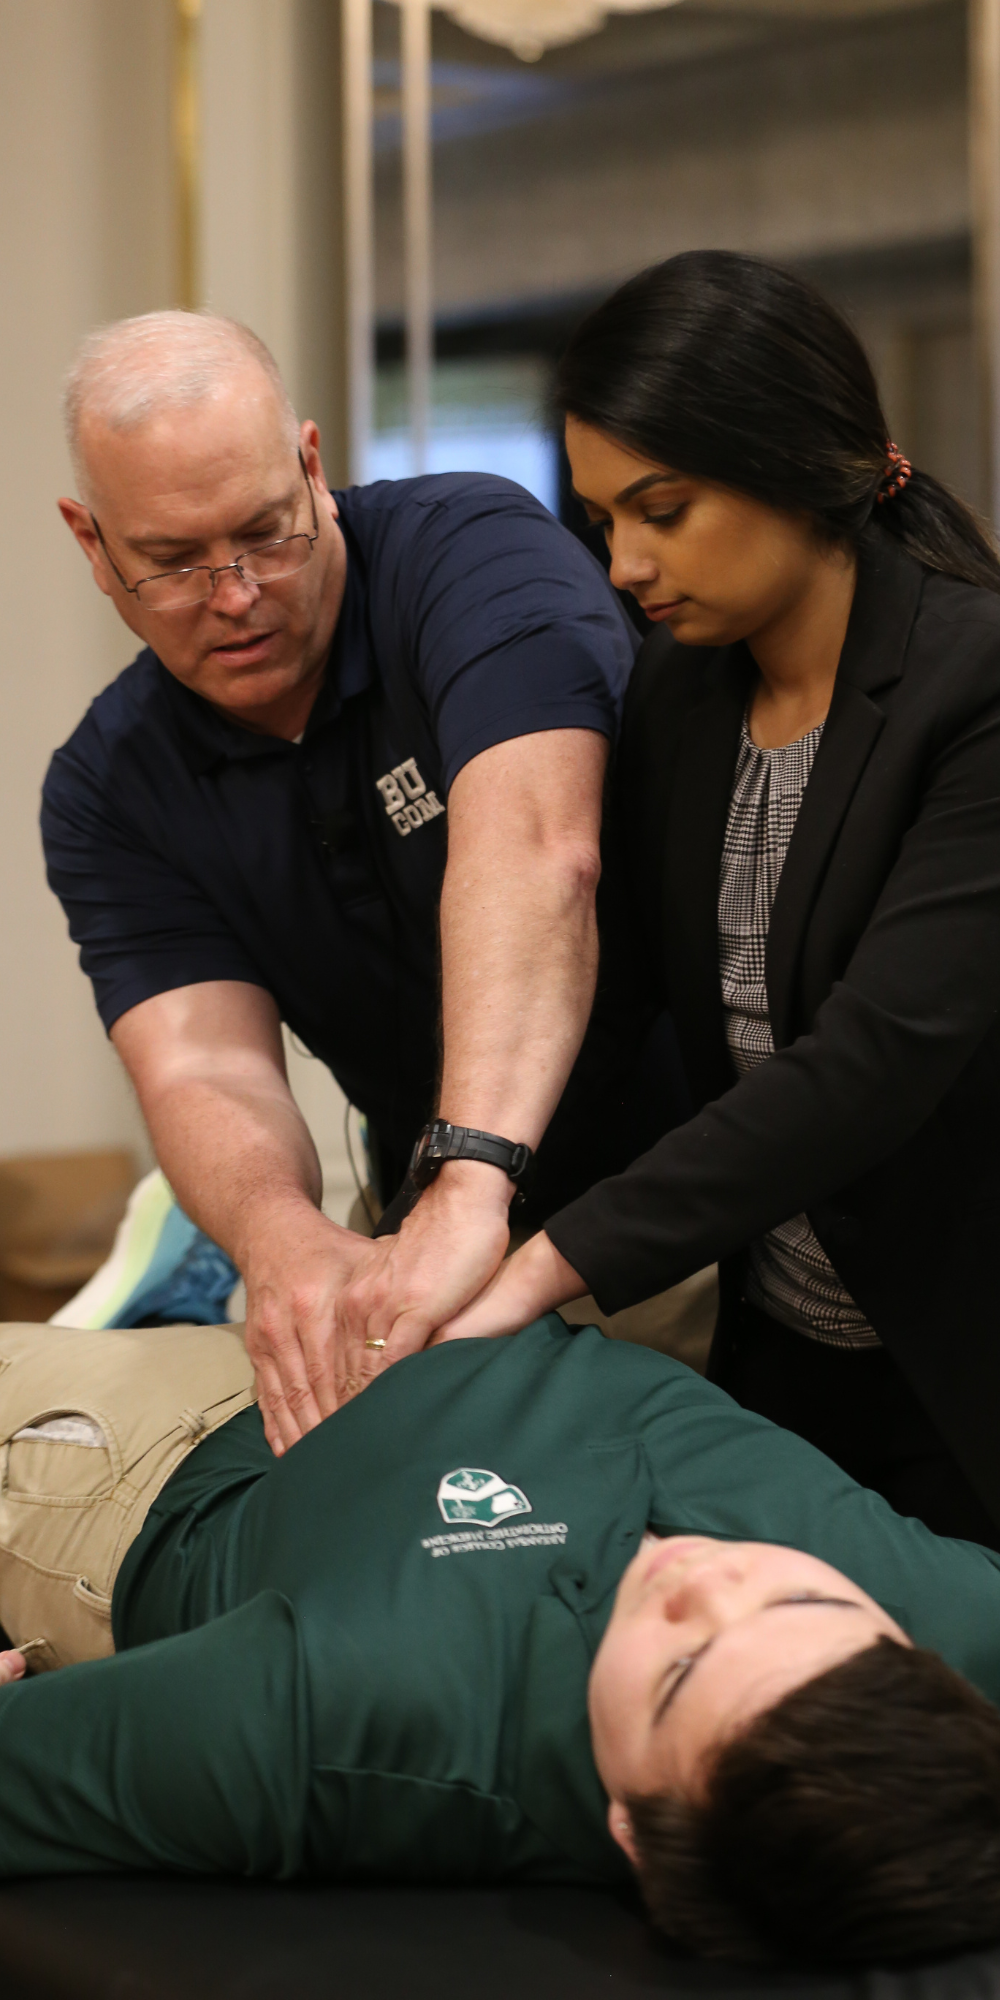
{"x": 86, "y": 222}
{"x": 90, "y": 228}
{"x": 834, "y": 137}
{"x": 833, "y": 134}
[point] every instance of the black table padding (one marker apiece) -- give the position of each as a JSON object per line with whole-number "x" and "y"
{"x": 101, "y": 1938}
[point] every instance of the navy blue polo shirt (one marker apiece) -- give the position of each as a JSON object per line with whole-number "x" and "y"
{"x": 184, "y": 847}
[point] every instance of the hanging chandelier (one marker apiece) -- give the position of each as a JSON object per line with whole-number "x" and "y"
{"x": 529, "y": 27}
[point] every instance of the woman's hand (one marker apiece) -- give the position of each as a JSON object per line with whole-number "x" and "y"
{"x": 12, "y": 1666}
{"x": 530, "y": 1283}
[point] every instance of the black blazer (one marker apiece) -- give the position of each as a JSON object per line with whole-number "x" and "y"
{"x": 879, "y": 1113}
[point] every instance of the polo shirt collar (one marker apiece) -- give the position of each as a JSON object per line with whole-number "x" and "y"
{"x": 209, "y": 738}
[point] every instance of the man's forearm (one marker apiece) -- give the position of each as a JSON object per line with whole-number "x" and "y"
{"x": 518, "y": 970}
{"x": 208, "y": 1066}
{"x": 236, "y": 1154}
{"x": 519, "y": 935}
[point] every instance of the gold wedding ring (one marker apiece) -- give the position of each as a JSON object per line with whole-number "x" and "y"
{"x": 374, "y": 1343}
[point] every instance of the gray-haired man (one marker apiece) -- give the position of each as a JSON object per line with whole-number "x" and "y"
{"x": 353, "y": 714}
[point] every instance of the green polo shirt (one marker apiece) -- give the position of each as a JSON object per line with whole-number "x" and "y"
{"x": 369, "y": 1659}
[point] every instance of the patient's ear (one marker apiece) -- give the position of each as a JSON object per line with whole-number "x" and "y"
{"x": 620, "y": 1828}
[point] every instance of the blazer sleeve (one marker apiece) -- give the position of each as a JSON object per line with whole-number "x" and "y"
{"x": 189, "y": 1754}
{"x": 918, "y": 995}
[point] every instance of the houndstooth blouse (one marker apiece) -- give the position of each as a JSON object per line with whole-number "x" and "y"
{"x": 789, "y": 1275}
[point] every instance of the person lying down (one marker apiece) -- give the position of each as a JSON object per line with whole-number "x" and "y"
{"x": 541, "y": 1609}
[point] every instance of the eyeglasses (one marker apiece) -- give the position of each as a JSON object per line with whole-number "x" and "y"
{"x": 174, "y": 589}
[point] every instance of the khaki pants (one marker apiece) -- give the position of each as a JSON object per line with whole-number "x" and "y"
{"x": 72, "y": 1502}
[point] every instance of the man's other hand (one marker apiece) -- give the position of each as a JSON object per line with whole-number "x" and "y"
{"x": 408, "y": 1285}
{"x": 13, "y": 1667}
{"x": 297, "y": 1268}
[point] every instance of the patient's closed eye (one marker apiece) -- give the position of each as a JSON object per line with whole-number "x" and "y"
{"x": 679, "y": 1670}
{"x": 815, "y": 1597}
{"x": 677, "y": 1674}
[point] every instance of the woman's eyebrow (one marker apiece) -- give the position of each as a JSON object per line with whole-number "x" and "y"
{"x": 640, "y": 485}
{"x": 844, "y": 1603}
{"x": 629, "y": 492}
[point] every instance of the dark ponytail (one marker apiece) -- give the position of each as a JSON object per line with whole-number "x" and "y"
{"x": 733, "y": 370}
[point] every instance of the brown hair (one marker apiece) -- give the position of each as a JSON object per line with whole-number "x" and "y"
{"x": 856, "y": 1821}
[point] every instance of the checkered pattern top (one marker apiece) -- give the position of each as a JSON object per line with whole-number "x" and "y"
{"x": 789, "y": 1275}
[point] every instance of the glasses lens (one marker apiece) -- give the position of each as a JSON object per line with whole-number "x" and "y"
{"x": 172, "y": 592}
{"x": 191, "y": 586}
{"x": 277, "y": 559}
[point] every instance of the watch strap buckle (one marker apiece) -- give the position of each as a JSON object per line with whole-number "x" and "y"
{"x": 439, "y": 1141}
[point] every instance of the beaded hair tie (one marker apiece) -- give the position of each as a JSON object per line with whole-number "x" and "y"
{"x": 897, "y": 472}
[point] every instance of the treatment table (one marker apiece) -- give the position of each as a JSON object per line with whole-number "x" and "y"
{"x": 109, "y": 1938}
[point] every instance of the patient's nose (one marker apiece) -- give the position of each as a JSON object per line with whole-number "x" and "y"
{"x": 708, "y": 1587}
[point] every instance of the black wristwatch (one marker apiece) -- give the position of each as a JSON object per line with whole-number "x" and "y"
{"x": 440, "y": 1141}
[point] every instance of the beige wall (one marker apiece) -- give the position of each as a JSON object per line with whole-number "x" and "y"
{"x": 271, "y": 256}
{"x": 85, "y": 221}
{"x": 271, "y": 179}
{"x": 86, "y": 235}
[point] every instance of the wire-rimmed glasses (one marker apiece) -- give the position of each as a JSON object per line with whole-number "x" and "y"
{"x": 176, "y": 589}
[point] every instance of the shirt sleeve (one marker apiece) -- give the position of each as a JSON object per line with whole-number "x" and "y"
{"x": 191, "y": 1754}
{"x": 516, "y": 628}
{"x": 142, "y": 926}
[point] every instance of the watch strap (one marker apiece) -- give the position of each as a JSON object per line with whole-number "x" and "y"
{"x": 440, "y": 1141}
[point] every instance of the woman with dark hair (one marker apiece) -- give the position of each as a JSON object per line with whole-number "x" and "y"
{"x": 808, "y": 826}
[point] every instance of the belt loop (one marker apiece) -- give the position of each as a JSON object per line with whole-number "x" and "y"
{"x": 194, "y": 1422}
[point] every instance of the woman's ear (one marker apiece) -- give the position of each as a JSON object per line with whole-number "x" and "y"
{"x": 620, "y": 1829}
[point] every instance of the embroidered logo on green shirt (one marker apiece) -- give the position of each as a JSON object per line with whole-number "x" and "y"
{"x": 473, "y": 1494}
{"x": 491, "y": 1504}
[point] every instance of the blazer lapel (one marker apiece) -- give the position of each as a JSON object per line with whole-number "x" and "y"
{"x": 694, "y": 834}
{"x": 852, "y": 729}
{"x": 885, "y": 605}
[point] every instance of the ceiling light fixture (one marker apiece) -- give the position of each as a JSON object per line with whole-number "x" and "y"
{"x": 529, "y": 27}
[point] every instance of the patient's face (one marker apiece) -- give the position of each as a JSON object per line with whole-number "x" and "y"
{"x": 705, "y": 1635}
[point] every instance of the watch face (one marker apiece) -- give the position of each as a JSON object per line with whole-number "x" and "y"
{"x": 437, "y": 1140}
{"x": 429, "y": 1153}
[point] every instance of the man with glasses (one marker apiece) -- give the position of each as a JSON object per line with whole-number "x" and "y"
{"x": 354, "y": 716}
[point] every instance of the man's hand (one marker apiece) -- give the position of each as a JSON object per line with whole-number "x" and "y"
{"x": 208, "y": 1064}
{"x": 297, "y": 1266}
{"x": 532, "y": 1282}
{"x": 13, "y": 1667}
{"x": 447, "y": 1249}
